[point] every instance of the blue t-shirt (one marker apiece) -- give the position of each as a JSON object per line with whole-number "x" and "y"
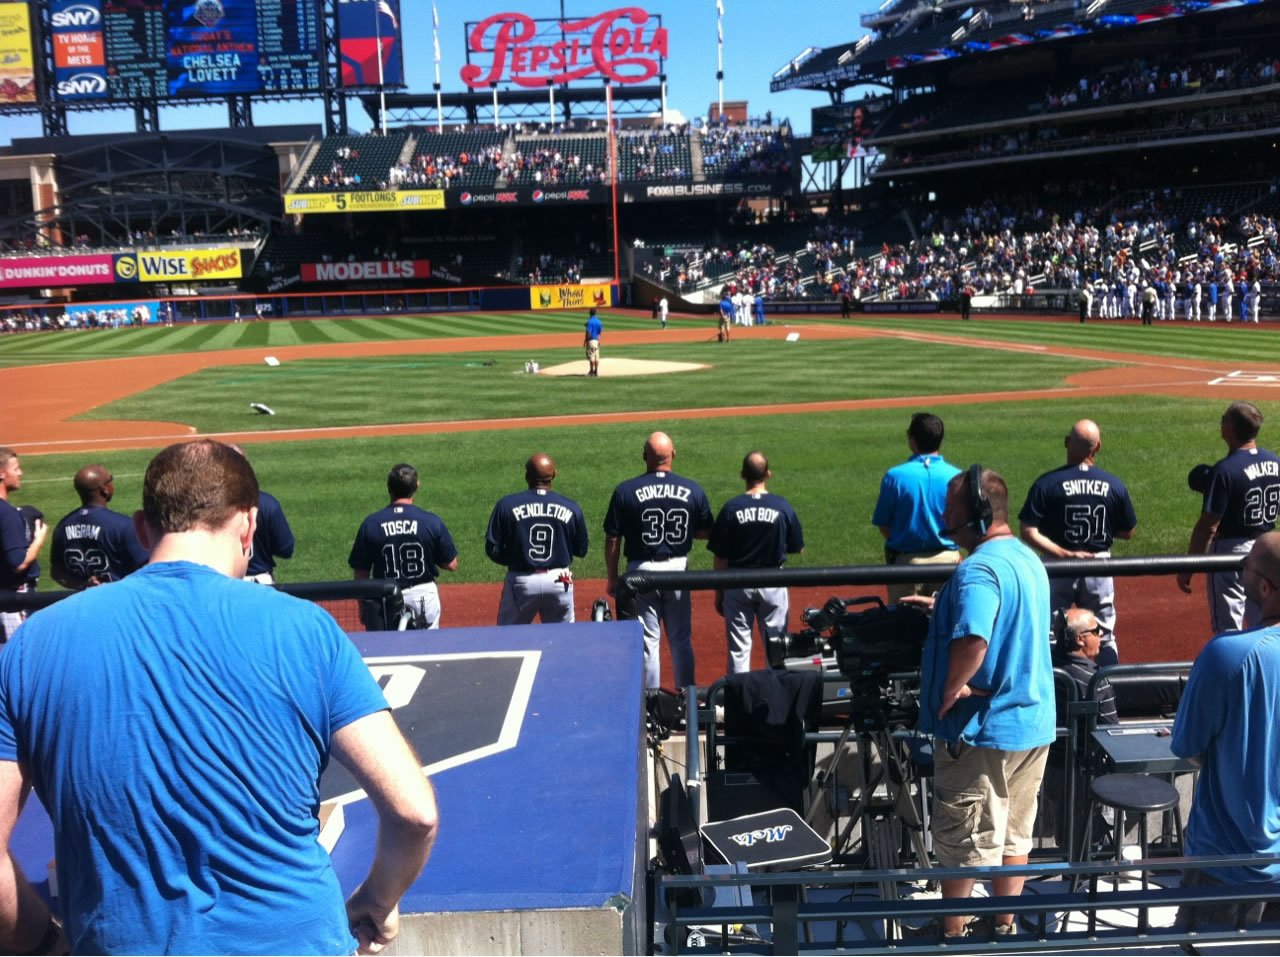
{"x": 756, "y": 531}
{"x": 726, "y": 308}
{"x": 1244, "y": 491}
{"x": 534, "y": 529}
{"x": 272, "y": 539}
{"x": 1079, "y": 507}
{"x": 912, "y": 497}
{"x": 175, "y": 725}
{"x": 15, "y": 539}
{"x": 594, "y": 327}
{"x": 402, "y": 542}
{"x": 1000, "y": 594}
{"x": 658, "y": 515}
{"x": 94, "y": 541}
{"x": 1230, "y": 715}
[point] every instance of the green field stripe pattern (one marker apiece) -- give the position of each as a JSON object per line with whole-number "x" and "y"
{"x": 31, "y": 348}
{"x": 1217, "y": 342}
{"x": 465, "y": 386}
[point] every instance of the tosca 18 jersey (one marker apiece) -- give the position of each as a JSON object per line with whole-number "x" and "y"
{"x": 658, "y": 515}
{"x": 402, "y": 542}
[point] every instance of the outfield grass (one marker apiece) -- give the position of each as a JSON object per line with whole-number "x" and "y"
{"x": 1219, "y": 341}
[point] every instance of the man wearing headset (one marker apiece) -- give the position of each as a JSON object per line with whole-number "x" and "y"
{"x": 986, "y": 694}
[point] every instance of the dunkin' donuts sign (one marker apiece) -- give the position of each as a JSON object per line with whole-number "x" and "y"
{"x": 626, "y": 45}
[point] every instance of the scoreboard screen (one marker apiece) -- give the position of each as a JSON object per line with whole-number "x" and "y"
{"x": 156, "y": 49}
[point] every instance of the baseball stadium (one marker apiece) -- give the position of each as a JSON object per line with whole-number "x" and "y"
{"x": 511, "y": 274}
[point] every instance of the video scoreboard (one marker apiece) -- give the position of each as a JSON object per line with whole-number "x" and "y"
{"x": 121, "y": 50}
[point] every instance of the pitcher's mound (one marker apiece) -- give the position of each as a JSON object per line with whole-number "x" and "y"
{"x": 621, "y": 367}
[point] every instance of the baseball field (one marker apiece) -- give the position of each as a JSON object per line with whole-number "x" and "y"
{"x": 450, "y": 394}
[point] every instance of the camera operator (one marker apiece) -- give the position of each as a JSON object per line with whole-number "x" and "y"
{"x": 986, "y": 694}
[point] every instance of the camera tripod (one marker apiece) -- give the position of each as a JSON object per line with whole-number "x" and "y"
{"x": 885, "y": 804}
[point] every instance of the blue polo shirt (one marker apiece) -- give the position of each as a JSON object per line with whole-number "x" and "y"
{"x": 594, "y": 327}
{"x": 912, "y": 497}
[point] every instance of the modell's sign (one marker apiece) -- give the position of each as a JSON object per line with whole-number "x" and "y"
{"x": 627, "y": 45}
{"x": 366, "y": 271}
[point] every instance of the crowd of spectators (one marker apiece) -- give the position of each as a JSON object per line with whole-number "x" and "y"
{"x": 1010, "y": 247}
{"x": 655, "y": 154}
{"x": 445, "y": 170}
{"x": 549, "y": 166}
{"x": 43, "y": 320}
{"x": 746, "y": 151}
{"x": 1141, "y": 80}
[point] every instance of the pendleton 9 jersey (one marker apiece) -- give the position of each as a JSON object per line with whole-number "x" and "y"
{"x": 536, "y": 529}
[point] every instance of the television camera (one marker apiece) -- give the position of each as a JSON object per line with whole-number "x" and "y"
{"x": 868, "y": 647}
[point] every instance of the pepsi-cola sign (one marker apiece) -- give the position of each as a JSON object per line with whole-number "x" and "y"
{"x": 626, "y": 45}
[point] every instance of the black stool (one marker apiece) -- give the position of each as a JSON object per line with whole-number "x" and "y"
{"x": 1138, "y": 794}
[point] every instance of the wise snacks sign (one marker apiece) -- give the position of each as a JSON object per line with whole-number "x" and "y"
{"x": 626, "y": 45}
{"x": 179, "y": 266}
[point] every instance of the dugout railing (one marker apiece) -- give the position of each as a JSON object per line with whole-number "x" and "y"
{"x": 341, "y": 599}
{"x": 843, "y": 911}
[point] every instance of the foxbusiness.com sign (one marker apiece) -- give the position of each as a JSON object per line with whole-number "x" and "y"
{"x": 633, "y": 193}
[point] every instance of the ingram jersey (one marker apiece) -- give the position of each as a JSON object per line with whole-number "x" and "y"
{"x": 95, "y": 542}
{"x": 756, "y": 531}
{"x": 402, "y": 542}
{"x": 535, "y": 529}
{"x": 1244, "y": 491}
{"x": 1079, "y": 507}
{"x": 657, "y": 515}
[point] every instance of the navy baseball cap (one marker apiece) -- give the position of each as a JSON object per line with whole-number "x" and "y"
{"x": 1198, "y": 478}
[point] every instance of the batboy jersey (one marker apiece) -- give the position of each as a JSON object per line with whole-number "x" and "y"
{"x": 402, "y": 542}
{"x": 95, "y": 542}
{"x": 1079, "y": 507}
{"x": 657, "y": 514}
{"x": 535, "y": 529}
{"x": 1244, "y": 490}
{"x": 756, "y": 531}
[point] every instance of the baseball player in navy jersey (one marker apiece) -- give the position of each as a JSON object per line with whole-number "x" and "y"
{"x": 1077, "y": 511}
{"x": 94, "y": 545}
{"x": 653, "y": 519}
{"x": 407, "y": 544}
{"x": 756, "y": 529}
{"x": 1240, "y": 503}
{"x": 272, "y": 537}
{"x": 20, "y": 542}
{"x": 536, "y": 534}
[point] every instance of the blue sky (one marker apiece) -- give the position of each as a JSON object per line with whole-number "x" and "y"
{"x": 760, "y": 36}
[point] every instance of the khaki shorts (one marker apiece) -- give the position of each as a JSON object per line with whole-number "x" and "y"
{"x": 593, "y": 350}
{"x": 946, "y": 556}
{"x": 984, "y": 803}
